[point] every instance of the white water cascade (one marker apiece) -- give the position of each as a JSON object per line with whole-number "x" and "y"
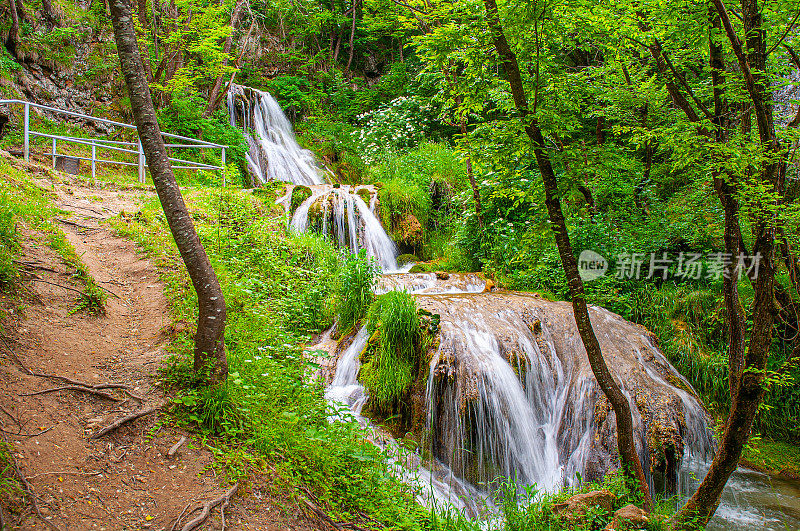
{"x": 275, "y": 155}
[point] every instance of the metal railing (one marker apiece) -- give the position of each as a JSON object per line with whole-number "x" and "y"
{"x": 116, "y": 146}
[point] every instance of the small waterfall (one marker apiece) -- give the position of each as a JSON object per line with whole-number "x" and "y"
{"x": 342, "y": 213}
{"x": 345, "y": 388}
{"x": 274, "y": 153}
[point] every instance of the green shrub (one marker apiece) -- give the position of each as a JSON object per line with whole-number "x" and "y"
{"x": 393, "y": 321}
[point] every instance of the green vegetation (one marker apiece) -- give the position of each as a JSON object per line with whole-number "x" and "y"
{"x": 354, "y": 292}
{"x": 278, "y": 289}
{"x": 394, "y": 356}
{"x": 23, "y": 202}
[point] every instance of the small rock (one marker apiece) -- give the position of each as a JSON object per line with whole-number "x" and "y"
{"x": 575, "y": 506}
{"x": 628, "y": 518}
{"x": 442, "y": 275}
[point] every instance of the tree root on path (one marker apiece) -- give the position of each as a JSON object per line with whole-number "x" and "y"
{"x": 194, "y": 523}
{"x": 81, "y": 388}
{"x": 26, "y": 486}
{"x": 124, "y": 420}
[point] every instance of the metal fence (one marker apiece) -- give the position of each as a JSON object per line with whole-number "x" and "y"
{"x": 113, "y": 146}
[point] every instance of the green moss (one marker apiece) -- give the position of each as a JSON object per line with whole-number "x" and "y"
{"x": 406, "y": 258}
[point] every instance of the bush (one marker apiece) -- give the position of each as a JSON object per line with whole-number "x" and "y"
{"x": 394, "y": 327}
{"x": 354, "y": 292}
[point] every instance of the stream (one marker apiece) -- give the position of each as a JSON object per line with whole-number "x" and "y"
{"x": 509, "y": 391}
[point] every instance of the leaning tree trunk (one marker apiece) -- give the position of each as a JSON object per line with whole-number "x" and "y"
{"x": 209, "y": 346}
{"x": 748, "y": 370}
{"x": 622, "y": 409}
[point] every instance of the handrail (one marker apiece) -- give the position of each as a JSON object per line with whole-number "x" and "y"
{"x": 102, "y": 143}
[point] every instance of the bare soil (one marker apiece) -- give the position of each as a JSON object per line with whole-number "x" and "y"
{"x": 124, "y": 480}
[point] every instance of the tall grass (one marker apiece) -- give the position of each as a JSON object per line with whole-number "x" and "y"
{"x": 389, "y": 374}
{"x": 354, "y": 291}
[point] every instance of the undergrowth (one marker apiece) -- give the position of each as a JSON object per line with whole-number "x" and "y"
{"x": 394, "y": 327}
{"x": 23, "y": 202}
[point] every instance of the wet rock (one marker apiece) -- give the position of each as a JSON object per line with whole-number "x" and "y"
{"x": 442, "y": 275}
{"x": 628, "y": 518}
{"x": 574, "y": 509}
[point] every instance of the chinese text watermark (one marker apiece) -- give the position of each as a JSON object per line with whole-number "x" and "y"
{"x": 683, "y": 266}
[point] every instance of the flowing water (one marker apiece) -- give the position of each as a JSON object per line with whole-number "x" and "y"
{"x": 275, "y": 155}
{"x": 509, "y": 392}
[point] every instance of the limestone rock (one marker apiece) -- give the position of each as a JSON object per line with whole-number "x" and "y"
{"x": 628, "y": 518}
{"x": 575, "y": 507}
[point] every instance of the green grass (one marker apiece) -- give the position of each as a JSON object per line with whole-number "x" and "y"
{"x": 279, "y": 289}
{"x": 773, "y": 457}
{"x": 23, "y": 202}
{"x": 394, "y": 326}
{"x": 354, "y": 291}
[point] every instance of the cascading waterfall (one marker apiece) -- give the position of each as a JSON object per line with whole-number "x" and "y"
{"x": 342, "y": 213}
{"x": 510, "y": 393}
{"x": 275, "y": 155}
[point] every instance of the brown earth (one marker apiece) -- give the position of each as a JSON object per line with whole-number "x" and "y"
{"x": 124, "y": 480}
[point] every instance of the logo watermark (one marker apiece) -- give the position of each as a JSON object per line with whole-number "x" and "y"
{"x": 684, "y": 266}
{"x": 591, "y": 265}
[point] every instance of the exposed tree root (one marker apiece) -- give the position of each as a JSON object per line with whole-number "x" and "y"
{"x": 26, "y": 486}
{"x": 208, "y": 506}
{"x": 81, "y": 388}
{"x": 124, "y": 420}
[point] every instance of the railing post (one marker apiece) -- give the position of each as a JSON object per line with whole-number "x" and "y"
{"x": 27, "y": 145}
{"x": 223, "y": 167}
{"x": 94, "y": 158}
{"x": 54, "y": 153}
{"x": 141, "y": 162}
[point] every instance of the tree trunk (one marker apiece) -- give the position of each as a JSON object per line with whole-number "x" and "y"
{"x": 622, "y": 410}
{"x": 213, "y": 98}
{"x": 48, "y": 14}
{"x": 12, "y": 41}
{"x": 144, "y": 52}
{"x": 352, "y": 36}
{"x": 747, "y": 382}
{"x": 209, "y": 346}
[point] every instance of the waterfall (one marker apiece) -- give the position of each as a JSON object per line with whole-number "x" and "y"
{"x": 341, "y": 213}
{"x": 510, "y": 393}
{"x": 275, "y": 155}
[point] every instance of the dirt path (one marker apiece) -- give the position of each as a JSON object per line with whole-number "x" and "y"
{"x": 123, "y": 480}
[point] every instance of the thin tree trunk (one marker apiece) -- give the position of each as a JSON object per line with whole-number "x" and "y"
{"x": 213, "y": 97}
{"x": 144, "y": 52}
{"x": 352, "y": 36}
{"x": 747, "y": 384}
{"x": 476, "y": 193}
{"x": 48, "y": 14}
{"x": 622, "y": 410}
{"x": 12, "y": 41}
{"x": 209, "y": 346}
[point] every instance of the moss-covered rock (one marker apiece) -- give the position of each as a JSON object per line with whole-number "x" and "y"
{"x": 406, "y": 258}
{"x": 299, "y": 194}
